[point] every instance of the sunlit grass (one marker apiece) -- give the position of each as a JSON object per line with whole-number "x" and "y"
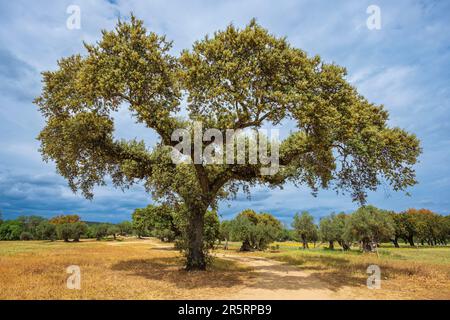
{"x": 148, "y": 269}
{"x": 407, "y": 272}
{"x": 131, "y": 269}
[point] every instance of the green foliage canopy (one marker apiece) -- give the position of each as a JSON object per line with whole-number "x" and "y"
{"x": 305, "y": 228}
{"x": 236, "y": 79}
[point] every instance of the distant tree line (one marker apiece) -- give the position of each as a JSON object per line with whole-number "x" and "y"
{"x": 62, "y": 227}
{"x": 367, "y": 227}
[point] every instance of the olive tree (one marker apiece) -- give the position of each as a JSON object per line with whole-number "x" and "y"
{"x": 255, "y": 230}
{"x": 305, "y": 228}
{"x": 340, "y": 222}
{"x": 369, "y": 226}
{"x": 126, "y": 228}
{"x": 161, "y": 221}
{"x": 211, "y": 231}
{"x": 98, "y": 231}
{"x": 64, "y": 231}
{"x": 78, "y": 229}
{"x": 113, "y": 230}
{"x": 328, "y": 230}
{"x": 243, "y": 229}
{"x": 235, "y": 79}
{"x": 46, "y": 231}
{"x": 141, "y": 222}
{"x": 225, "y": 232}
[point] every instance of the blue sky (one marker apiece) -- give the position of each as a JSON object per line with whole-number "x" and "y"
{"x": 405, "y": 66}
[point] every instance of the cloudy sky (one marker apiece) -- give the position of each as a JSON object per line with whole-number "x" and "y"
{"x": 405, "y": 65}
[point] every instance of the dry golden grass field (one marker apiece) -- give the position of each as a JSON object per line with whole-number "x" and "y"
{"x": 149, "y": 269}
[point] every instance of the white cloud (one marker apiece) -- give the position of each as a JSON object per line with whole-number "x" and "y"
{"x": 404, "y": 66}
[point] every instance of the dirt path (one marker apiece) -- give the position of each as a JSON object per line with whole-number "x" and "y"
{"x": 275, "y": 280}
{"x": 278, "y": 281}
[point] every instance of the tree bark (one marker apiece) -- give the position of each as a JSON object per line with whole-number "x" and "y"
{"x": 246, "y": 246}
{"x": 196, "y": 259}
{"x": 411, "y": 241}
{"x": 395, "y": 242}
{"x": 366, "y": 245}
{"x": 344, "y": 245}
{"x": 305, "y": 243}
{"x": 331, "y": 246}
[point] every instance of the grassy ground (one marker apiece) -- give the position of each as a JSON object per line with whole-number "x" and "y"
{"x": 109, "y": 270}
{"x": 148, "y": 269}
{"x": 406, "y": 272}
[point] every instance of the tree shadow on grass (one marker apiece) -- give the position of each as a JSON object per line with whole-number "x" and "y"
{"x": 332, "y": 273}
{"x": 320, "y": 272}
{"x": 309, "y": 273}
{"x": 164, "y": 248}
{"x": 299, "y": 274}
{"x": 170, "y": 269}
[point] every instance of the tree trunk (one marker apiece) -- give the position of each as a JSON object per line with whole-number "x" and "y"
{"x": 395, "y": 242}
{"x": 305, "y": 243}
{"x": 344, "y": 245}
{"x": 331, "y": 246}
{"x": 366, "y": 245}
{"x": 246, "y": 246}
{"x": 195, "y": 256}
{"x": 411, "y": 241}
{"x": 226, "y": 245}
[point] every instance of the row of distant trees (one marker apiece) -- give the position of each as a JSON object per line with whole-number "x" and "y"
{"x": 368, "y": 227}
{"x": 62, "y": 227}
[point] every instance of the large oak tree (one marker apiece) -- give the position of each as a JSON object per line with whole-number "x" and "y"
{"x": 234, "y": 79}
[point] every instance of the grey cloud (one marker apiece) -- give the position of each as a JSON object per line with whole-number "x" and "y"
{"x": 404, "y": 66}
